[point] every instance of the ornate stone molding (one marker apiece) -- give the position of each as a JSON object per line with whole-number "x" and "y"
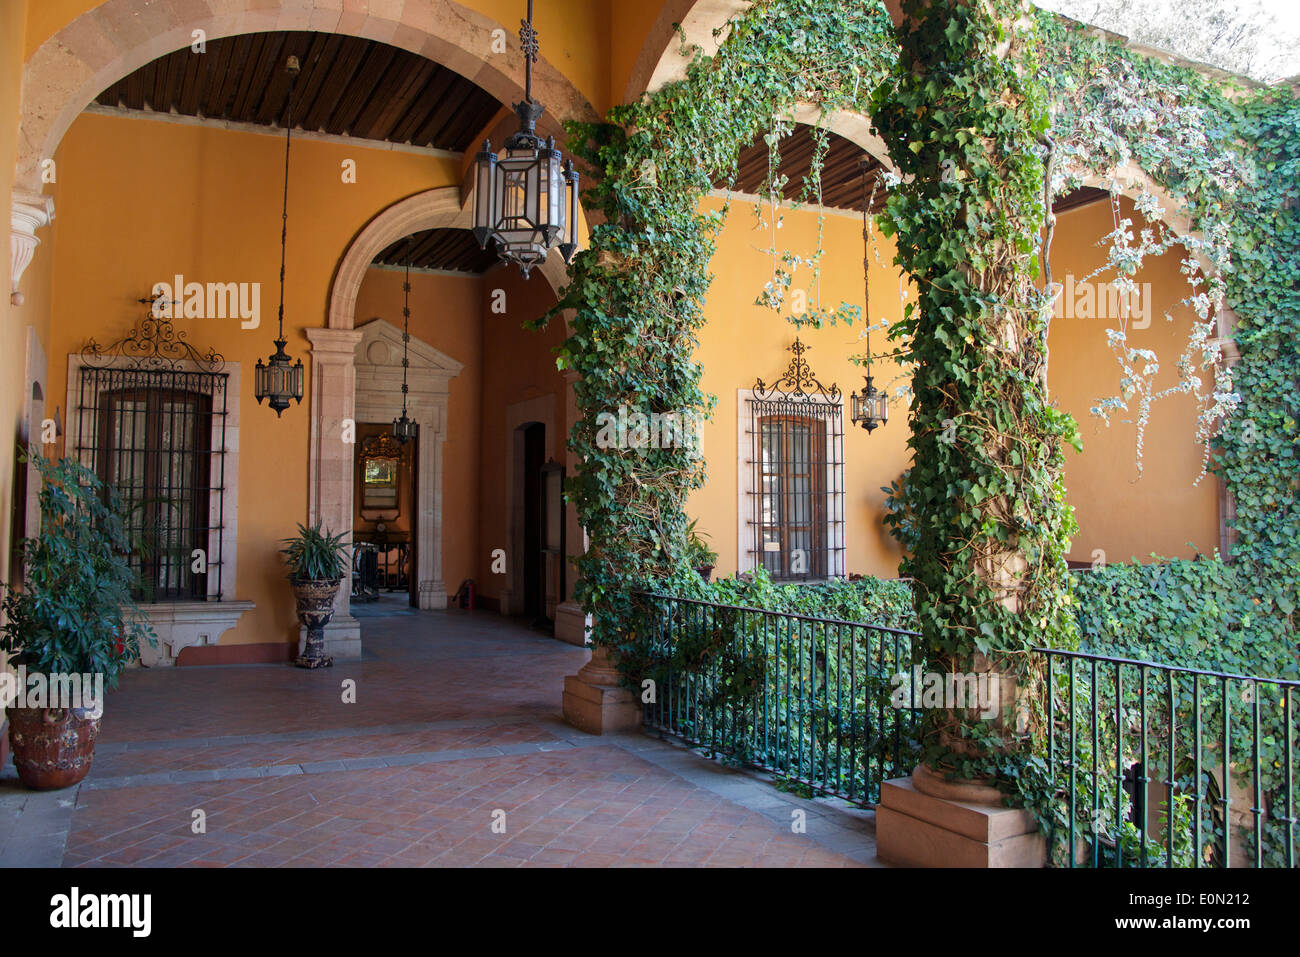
{"x": 329, "y": 470}
{"x": 378, "y": 357}
{"x": 28, "y": 212}
{"x": 184, "y": 624}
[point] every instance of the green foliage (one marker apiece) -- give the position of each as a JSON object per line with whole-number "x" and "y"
{"x": 74, "y": 613}
{"x": 1258, "y": 454}
{"x": 638, "y": 291}
{"x": 874, "y": 601}
{"x": 315, "y": 554}
{"x": 984, "y": 502}
{"x": 1197, "y": 613}
{"x": 977, "y": 115}
{"x": 701, "y": 553}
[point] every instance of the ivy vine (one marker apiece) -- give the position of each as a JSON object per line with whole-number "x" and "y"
{"x": 985, "y": 124}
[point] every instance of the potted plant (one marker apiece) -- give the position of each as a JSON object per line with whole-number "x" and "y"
{"x": 701, "y": 556}
{"x": 316, "y": 560}
{"x": 72, "y": 626}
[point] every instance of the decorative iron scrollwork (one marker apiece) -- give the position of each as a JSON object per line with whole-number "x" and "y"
{"x": 382, "y": 445}
{"x": 153, "y": 345}
{"x": 797, "y": 383}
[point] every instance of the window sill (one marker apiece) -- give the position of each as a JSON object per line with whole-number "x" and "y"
{"x": 180, "y": 624}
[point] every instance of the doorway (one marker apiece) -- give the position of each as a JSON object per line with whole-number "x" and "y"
{"x": 533, "y": 566}
{"x": 384, "y": 529}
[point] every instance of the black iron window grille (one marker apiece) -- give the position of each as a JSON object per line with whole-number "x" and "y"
{"x": 797, "y": 463}
{"x": 151, "y": 421}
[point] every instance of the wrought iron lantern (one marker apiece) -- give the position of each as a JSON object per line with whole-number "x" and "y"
{"x": 405, "y": 428}
{"x": 526, "y": 198}
{"x": 870, "y": 407}
{"x": 278, "y": 379}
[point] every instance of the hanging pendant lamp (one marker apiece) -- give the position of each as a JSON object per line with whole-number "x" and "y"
{"x": 277, "y": 381}
{"x": 405, "y": 428}
{"x": 870, "y": 407}
{"x": 520, "y": 200}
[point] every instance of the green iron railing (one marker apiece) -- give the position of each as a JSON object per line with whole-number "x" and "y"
{"x": 1136, "y": 751}
{"x": 1159, "y": 766}
{"x": 806, "y": 698}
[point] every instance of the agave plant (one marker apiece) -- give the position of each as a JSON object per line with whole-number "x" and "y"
{"x": 315, "y": 554}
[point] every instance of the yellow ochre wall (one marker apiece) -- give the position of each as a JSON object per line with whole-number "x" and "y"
{"x": 518, "y": 364}
{"x": 1120, "y": 513}
{"x": 141, "y": 201}
{"x": 146, "y": 200}
{"x": 743, "y": 341}
{"x": 1122, "y": 516}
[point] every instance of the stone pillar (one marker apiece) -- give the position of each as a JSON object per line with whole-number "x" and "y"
{"x": 331, "y": 467}
{"x": 595, "y": 702}
{"x": 428, "y": 549}
{"x": 572, "y": 624}
{"x": 925, "y": 821}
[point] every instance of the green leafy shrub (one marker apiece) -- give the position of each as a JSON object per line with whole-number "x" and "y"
{"x": 75, "y": 613}
{"x": 1197, "y": 613}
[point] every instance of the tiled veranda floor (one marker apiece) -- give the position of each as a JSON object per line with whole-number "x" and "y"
{"x": 456, "y": 717}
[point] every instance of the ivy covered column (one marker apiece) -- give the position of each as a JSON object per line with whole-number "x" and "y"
{"x": 966, "y": 125}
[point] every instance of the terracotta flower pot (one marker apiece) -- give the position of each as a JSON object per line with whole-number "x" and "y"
{"x": 52, "y": 747}
{"x": 315, "y": 600}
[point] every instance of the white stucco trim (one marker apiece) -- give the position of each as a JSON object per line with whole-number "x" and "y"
{"x": 378, "y": 363}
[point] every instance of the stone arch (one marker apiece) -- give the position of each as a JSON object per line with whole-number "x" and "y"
{"x": 682, "y": 27}
{"x": 432, "y": 209}
{"x": 333, "y": 388}
{"x": 113, "y": 39}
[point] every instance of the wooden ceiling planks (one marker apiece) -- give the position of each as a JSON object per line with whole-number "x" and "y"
{"x": 348, "y": 86}
{"x": 841, "y": 173}
{"x": 451, "y": 249}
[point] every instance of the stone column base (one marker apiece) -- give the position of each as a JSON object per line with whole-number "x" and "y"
{"x": 571, "y": 624}
{"x": 916, "y": 829}
{"x": 433, "y": 596}
{"x": 595, "y": 702}
{"x": 342, "y": 639}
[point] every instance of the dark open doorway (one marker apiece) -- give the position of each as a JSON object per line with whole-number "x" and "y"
{"x": 534, "y": 568}
{"x": 385, "y": 518}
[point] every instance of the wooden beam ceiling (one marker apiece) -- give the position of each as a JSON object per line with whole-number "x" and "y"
{"x": 349, "y": 86}
{"x": 451, "y": 249}
{"x": 841, "y": 173}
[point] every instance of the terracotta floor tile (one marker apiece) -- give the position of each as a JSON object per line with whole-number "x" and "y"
{"x": 430, "y": 683}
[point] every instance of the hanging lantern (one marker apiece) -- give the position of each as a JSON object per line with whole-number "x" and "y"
{"x": 526, "y": 199}
{"x": 405, "y": 428}
{"x": 277, "y": 381}
{"x": 870, "y": 407}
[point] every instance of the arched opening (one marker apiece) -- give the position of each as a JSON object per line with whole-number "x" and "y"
{"x": 187, "y": 154}
{"x": 114, "y": 39}
{"x": 467, "y": 313}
